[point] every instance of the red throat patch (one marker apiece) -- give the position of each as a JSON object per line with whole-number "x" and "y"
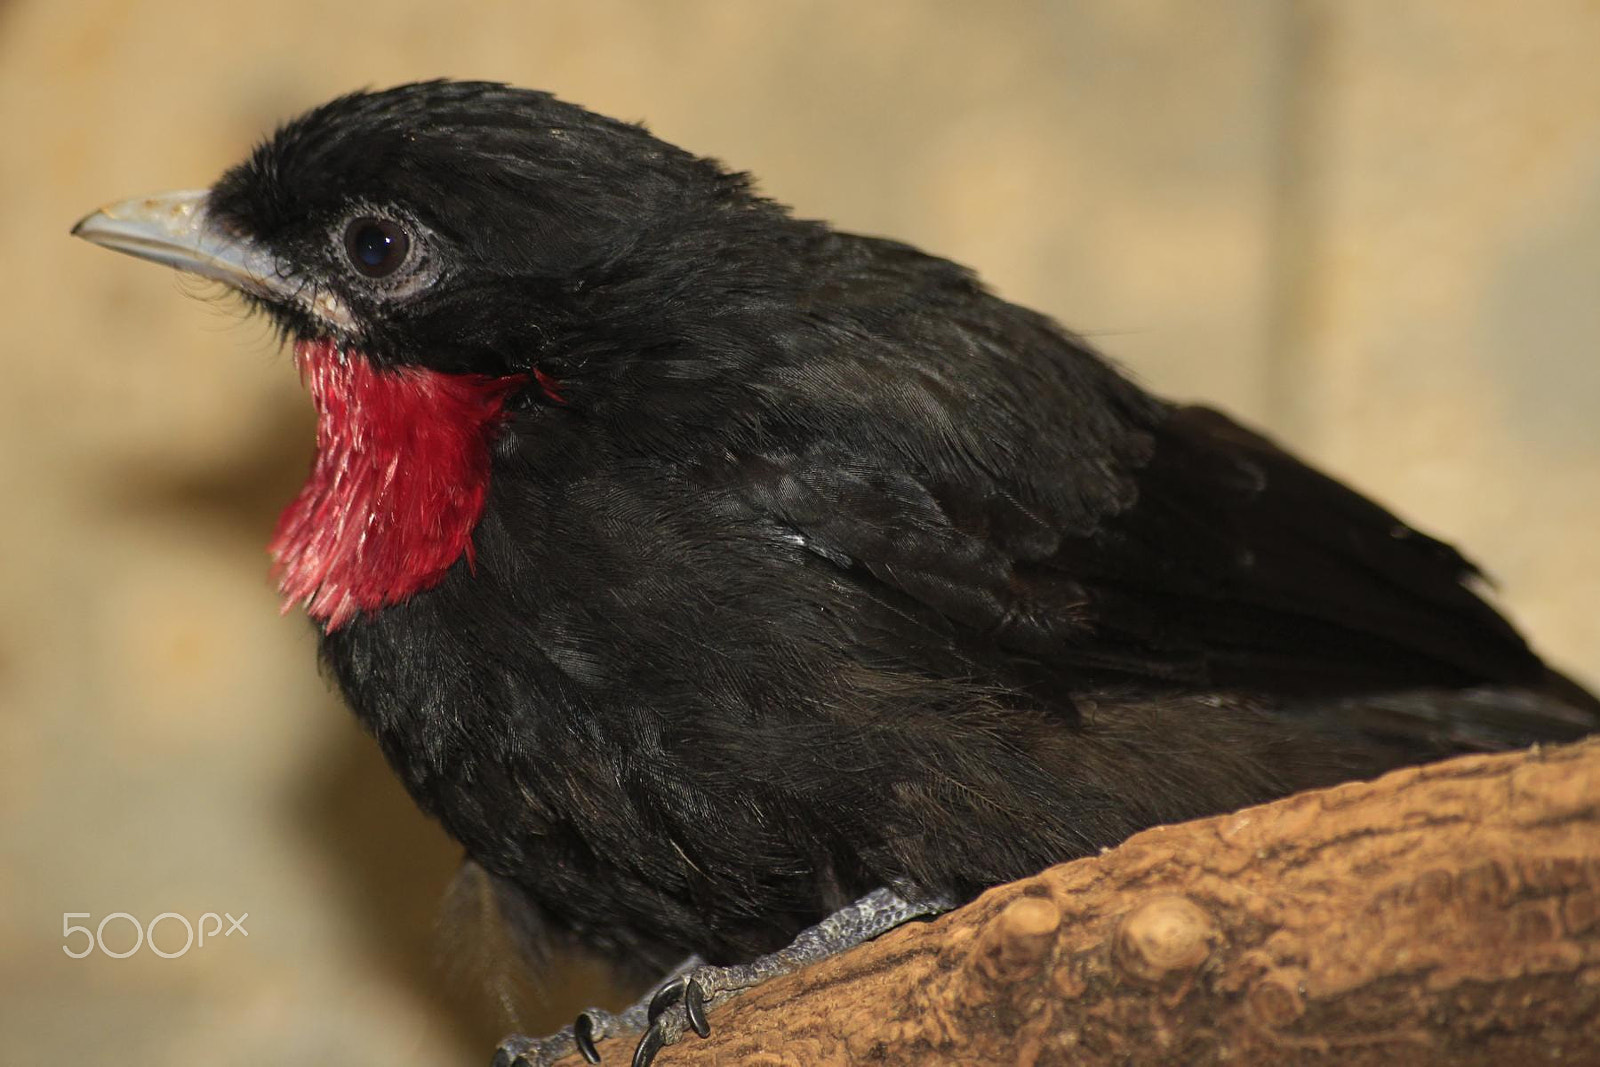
{"x": 399, "y": 482}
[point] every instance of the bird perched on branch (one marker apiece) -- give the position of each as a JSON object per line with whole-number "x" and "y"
{"x": 704, "y": 570}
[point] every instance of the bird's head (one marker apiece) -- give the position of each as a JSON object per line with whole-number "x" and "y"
{"x": 448, "y": 225}
{"x": 425, "y": 248}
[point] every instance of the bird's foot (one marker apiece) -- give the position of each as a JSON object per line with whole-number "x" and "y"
{"x": 681, "y": 1004}
{"x": 519, "y": 1050}
{"x": 589, "y": 1028}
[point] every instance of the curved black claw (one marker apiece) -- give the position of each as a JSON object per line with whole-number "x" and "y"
{"x": 583, "y": 1037}
{"x": 651, "y": 1043}
{"x": 694, "y": 1007}
{"x": 666, "y": 1025}
{"x": 665, "y": 998}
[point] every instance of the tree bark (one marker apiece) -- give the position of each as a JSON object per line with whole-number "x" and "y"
{"x": 1447, "y": 914}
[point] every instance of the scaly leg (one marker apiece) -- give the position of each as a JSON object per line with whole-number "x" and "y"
{"x": 694, "y": 987}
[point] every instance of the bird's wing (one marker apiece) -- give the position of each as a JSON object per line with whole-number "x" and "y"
{"x": 1047, "y": 508}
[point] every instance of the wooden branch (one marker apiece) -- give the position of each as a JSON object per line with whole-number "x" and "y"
{"x": 1447, "y": 914}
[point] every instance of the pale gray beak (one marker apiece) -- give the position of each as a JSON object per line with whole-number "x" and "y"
{"x": 174, "y": 229}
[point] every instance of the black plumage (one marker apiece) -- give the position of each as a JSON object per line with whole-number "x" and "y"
{"x": 807, "y": 565}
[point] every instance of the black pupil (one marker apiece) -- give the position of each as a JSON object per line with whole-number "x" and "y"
{"x": 376, "y": 246}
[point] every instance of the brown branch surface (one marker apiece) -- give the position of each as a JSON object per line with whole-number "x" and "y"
{"x": 1447, "y": 914}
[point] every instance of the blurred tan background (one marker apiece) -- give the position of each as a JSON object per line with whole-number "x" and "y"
{"x": 1372, "y": 227}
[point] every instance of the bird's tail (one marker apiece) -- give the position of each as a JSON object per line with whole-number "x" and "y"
{"x": 1554, "y": 710}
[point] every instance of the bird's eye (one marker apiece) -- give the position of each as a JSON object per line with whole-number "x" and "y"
{"x": 376, "y": 247}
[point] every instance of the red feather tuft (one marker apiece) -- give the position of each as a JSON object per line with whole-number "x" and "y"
{"x": 398, "y": 484}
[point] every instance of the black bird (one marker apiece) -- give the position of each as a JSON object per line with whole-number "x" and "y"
{"x": 703, "y": 569}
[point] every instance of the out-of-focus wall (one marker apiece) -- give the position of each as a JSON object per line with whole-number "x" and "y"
{"x": 1373, "y": 228}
